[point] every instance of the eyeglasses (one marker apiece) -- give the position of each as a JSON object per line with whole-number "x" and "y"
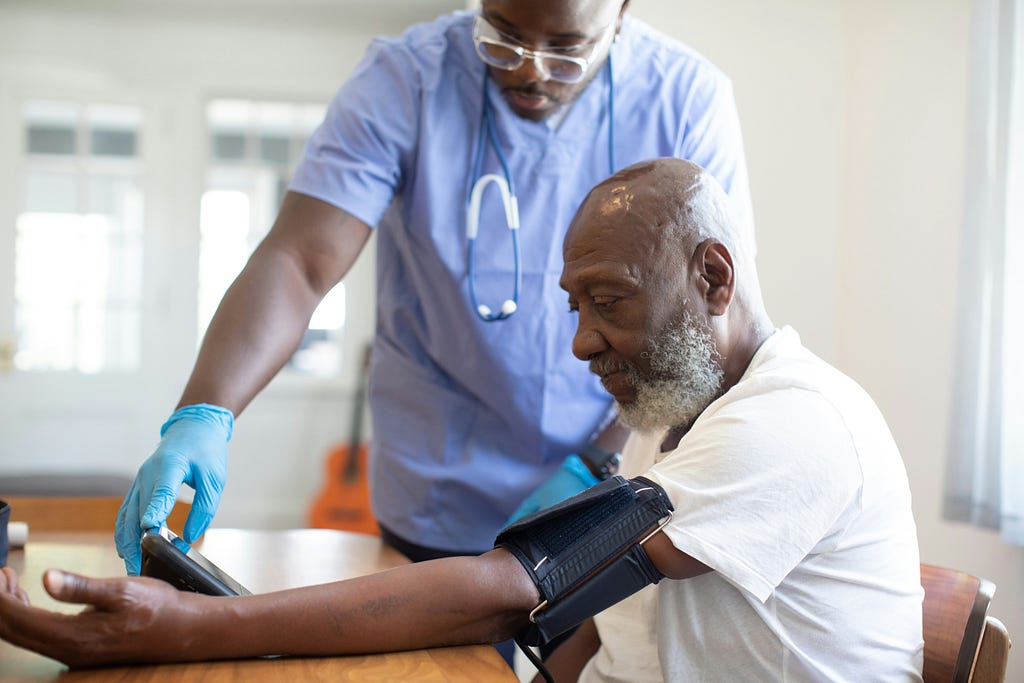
{"x": 494, "y": 49}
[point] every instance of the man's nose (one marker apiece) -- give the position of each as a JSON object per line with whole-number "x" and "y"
{"x": 588, "y": 341}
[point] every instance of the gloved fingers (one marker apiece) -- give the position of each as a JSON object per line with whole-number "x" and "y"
{"x": 128, "y": 531}
{"x": 159, "y": 490}
{"x": 195, "y": 525}
{"x": 208, "y": 488}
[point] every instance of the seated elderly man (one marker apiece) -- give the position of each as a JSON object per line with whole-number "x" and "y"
{"x": 791, "y": 554}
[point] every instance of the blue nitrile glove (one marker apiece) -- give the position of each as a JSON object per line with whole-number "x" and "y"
{"x": 571, "y": 478}
{"x": 193, "y": 449}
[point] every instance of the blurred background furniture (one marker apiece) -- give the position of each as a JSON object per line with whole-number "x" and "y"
{"x": 962, "y": 643}
{"x": 69, "y": 502}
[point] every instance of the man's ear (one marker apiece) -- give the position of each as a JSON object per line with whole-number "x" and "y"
{"x": 714, "y": 266}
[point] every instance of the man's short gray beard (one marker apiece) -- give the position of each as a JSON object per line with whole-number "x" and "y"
{"x": 685, "y": 378}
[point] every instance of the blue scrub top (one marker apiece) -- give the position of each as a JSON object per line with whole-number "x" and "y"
{"x": 470, "y": 416}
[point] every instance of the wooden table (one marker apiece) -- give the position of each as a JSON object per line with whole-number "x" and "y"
{"x": 262, "y": 561}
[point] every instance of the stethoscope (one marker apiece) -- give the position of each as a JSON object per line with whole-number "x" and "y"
{"x": 488, "y": 131}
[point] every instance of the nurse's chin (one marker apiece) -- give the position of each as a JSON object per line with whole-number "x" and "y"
{"x": 530, "y": 106}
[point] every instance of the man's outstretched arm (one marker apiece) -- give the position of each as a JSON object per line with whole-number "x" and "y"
{"x": 444, "y": 602}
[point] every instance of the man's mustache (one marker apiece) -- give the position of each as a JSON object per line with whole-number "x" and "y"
{"x": 605, "y": 367}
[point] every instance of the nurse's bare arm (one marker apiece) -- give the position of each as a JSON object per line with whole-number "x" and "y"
{"x": 443, "y": 602}
{"x": 265, "y": 312}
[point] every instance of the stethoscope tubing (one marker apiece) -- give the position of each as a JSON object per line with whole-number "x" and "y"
{"x": 488, "y": 132}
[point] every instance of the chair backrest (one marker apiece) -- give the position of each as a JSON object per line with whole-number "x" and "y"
{"x": 955, "y": 609}
{"x": 990, "y": 665}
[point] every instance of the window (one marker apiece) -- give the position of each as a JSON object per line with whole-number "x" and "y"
{"x": 254, "y": 147}
{"x": 78, "y": 239}
{"x": 985, "y": 460}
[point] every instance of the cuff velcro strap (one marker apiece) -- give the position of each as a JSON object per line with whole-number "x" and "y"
{"x": 585, "y": 554}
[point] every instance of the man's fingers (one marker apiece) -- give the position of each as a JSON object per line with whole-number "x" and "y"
{"x": 78, "y": 589}
{"x": 9, "y": 584}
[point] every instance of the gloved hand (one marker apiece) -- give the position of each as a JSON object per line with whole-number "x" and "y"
{"x": 571, "y": 478}
{"x": 192, "y": 450}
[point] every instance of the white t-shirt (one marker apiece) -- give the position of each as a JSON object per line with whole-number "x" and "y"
{"x": 791, "y": 489}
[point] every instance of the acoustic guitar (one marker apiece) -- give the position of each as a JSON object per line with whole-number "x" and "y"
{"x": 344, "y": 502}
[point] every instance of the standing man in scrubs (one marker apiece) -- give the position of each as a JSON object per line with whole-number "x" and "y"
{"x": 474, "y": 123}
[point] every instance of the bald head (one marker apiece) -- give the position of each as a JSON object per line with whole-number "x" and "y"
{"x": 663, "y": 278}
{"x": 664, "y": 199}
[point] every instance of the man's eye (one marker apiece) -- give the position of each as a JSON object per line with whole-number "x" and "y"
{"x": 604, "y": 301}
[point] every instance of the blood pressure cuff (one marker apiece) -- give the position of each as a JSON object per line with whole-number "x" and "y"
{"x": 585, "y": 553}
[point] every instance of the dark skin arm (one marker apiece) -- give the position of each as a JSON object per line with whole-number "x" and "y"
{"x": 264, "y": 313}
{"x": 443, "y": 602}
{"x": 567, "y": 661}
{"x": 455, "y": 600}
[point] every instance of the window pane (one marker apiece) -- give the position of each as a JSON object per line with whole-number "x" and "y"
{"x": 228, "y": 146}
{"x": 113, "y": 130}
{"x": 256, "y": 146}
{"x": 51, "y": 191}
{"x": 51, "y": 127}
{"x": 43, "y": 139}
{"x": 118, "y": 143}
{"x": 274, "y": 149}
{"x": 78, "y": 252}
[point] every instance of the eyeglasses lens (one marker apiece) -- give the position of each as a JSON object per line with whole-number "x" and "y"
{"x": 510, "y": 57}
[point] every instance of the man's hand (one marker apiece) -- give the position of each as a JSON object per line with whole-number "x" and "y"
{"x": 193, "y": 450}
{"x": 571, "y": 478}
{"x": 9, "y": 587}
{"x": 126, "y": 620}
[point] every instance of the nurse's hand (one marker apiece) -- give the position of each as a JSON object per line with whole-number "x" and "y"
{"x": 193, "y": 450}
{"x": 571, "y": 478}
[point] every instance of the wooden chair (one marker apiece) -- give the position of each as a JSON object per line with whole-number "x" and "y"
{"x": 962, "y": 644}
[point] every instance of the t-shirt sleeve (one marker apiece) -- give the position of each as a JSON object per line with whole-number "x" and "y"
{"x": 760, "y": 484}
{"x": 355, "y": 158}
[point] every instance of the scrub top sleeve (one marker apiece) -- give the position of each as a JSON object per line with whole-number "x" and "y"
{"x": 356, "y": 158}
{"x": 712, "y": 138}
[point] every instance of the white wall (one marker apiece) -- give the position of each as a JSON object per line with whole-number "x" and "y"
{"x": 907, "y": 66}
{"x": 853, "y": 113}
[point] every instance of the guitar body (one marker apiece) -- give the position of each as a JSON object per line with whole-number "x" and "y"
{"x": 344, "y": 502}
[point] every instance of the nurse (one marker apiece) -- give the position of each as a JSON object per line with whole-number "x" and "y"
{"x": 466, "y": 144}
